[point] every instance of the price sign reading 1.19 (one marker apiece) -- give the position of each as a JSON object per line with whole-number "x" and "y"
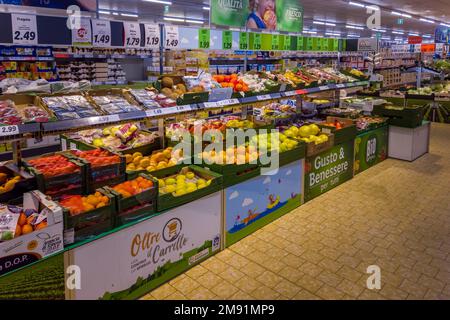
{"x": 172, "y": 37}
{"x": 132, "y": 34}
{"x": 24, "y": 29}
{"x": 101, "y": 33}
{"x": 152, "y": 36}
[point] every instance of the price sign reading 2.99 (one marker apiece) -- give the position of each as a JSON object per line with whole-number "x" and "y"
{"x": 24, "y": 29}
{"x": 132, "y": 34}
{"x": 101, "y": 33}
{"x": 171, "y": 37}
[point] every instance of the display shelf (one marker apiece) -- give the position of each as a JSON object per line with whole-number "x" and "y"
{"x": 98, "y": 56}
{"x": 27, "y": 58}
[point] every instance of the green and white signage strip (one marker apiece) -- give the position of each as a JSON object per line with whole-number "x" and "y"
{"x": 329, "y": 169}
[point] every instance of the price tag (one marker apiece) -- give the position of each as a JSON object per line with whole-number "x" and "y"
{"x": 132, "y": 34}
{"x": 275, "y": 41}
{"x": 322, "y": 88}
{"x": 220, "y": 94}
{"x": 171, "y": 36}
{"x": 300, "y": 44}
{"x": 340, "y": 85}
{"x": 152, "y": 36}
{"x": 335, "y": 44}
{"x": 243, "y": 41}
{"x": 287, "y": 43}
{"x": 72, "y": 146}
{"x": 289, "y": 93}
{"x": 203, "y": 38}
{"x": 101, "y": 33}
{"x": 9, "y": 130}
{"x": 63, "y": 144}
{"x": 24, "y": 29}
{"x": 210, "y": 105}
{"x": 182, "y": 108}
{"x": 309, "y": 44}
{"x": 263, "y": 97}
{"x": 106, "y": 119}
{"x": 227, "y": 40}
{"x": 256, "y": 41}
{"x": 228, "y": 102}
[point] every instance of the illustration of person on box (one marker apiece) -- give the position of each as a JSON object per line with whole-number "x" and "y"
{"x": 262, "y": 15}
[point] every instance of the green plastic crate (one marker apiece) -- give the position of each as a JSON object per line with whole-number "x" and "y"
{"x": 58, "y": 186}
{"x": 410, "y": 117}
{"x": 136, "y": 207}
{"x": 347, "y": 133}
{"x": 168, "y": 201}
{"x": 93, "y": 223}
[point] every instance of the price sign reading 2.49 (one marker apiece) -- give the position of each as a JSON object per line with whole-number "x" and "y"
{"x": 24, "y": 29}
{"x": 171, "y": 37}
{"x": 101, "y": 33}
{"x": 132, "y": 34}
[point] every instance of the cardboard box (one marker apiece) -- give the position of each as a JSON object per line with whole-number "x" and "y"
{"x": 26, "y": 249}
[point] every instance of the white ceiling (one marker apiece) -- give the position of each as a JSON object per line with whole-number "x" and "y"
{"x": 337, "y": 11}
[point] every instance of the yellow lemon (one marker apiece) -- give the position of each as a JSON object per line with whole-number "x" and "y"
{"x": 169, "y": 189}
{"x": 137, "y": 154}
{"x": 161, "y": 183}
{"x": 190, "y": 175}
{"x": 145, "y": 162}
{"x": 170, "y": 181}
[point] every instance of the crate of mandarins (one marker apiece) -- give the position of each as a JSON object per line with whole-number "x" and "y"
{"x": 103, "y": 167}
{"x": 87, "y": 216}
{"x": 57, "y": 174}
{"x": 135, "y": 199}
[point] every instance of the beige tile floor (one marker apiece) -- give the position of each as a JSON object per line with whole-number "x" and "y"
{"x": 395, "y": 215}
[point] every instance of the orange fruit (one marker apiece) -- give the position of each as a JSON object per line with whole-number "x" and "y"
{"x": 26, "y": 229}
{"x": 18, "y": 231}
{"x": 41, "y": 225}
{"x": 22, "y": 219}
{"x": 100, "y": 205}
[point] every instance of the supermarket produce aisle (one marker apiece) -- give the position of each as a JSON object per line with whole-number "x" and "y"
{"x": 395, "y": 215}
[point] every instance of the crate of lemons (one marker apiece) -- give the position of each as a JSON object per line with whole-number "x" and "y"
{"x": 158, "y": 161}
{"x": 181, "y": 186}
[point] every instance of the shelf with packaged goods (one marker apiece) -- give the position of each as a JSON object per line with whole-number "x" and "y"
{"x": 10, "y": 133}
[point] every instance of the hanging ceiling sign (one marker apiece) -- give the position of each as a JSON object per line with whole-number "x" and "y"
{"x": 132, "y": 34}
{"x": 84, "y": 5}
{"x": 101, "y": 33}
{"x": 152, "y": 36}
{"x": 171, "y": 37}
{"x": 367, "y": 44}
{"x": 24, "y": 29}
{"x": 414, "y": 40}
{"x": 82, "y": 36}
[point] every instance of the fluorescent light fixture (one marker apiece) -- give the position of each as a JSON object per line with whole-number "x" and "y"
{"x": 375, "y": 8}
{"x": 206, "y": 8}
{"x": 445, "y": 24}
{"x": 353, "y": 36}
{"x": 354, "y": 27}
{"x": 129, "y": 15}
{"x": 104, "y": 12}
{"x": 413, "y": 34}
{"x": 332, "y": 34}
{"x": 379, "y": 30}
{"x": 406, "y": 15}
{"x": 173, "y": 19}
{"x": 322, "y": 23}
{"x": 194, "y": 21}
{"x": 427, "y": 36}
{"x": 309, "y": 32}
{"x": 397, "y": 32}
{"x": 401, "y": 14}
{"x": 357, "y": 4}
{"x": 385, "y": 38}
{"x": 396, "y": 13}
{"x": 426, "y": 20}
{"x": 169, "y": 3}
{"x": 115, "y": 13}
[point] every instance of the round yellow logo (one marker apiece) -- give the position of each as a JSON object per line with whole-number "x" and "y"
{"x": 32, "y": 245}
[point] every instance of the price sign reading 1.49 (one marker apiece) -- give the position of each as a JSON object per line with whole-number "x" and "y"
{"x": 171, "y": 37}
{"x": 152, "y": 36}
{"x": 132, "y": 34}
{"x": 101, "y": 33}
{"x": 24, "y": 29}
